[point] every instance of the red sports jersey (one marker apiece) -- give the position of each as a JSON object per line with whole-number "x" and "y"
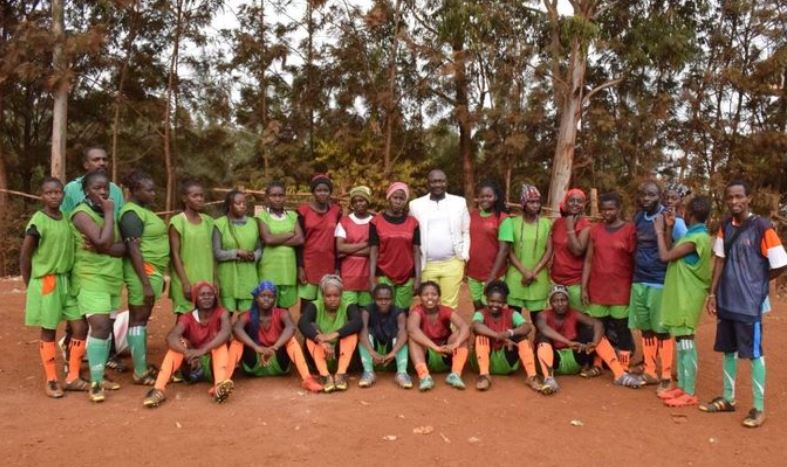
{"x": 395, "y": 252}
{"x": 503, "y": 322}
{"x": 196, "y": 333}
{"x": 484, "y": 244}
{"x": 566, "y": 327}
{"x": 612, "y": 268}
{"x": 566, "y": 266}
{"x": 270, "y": 328}
{"x": 439, "y": 329}
{"x": 355, "y": 269}
{"x": 319, "y": 246}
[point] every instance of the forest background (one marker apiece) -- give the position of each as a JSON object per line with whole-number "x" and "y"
{"x": 595, "y": 94}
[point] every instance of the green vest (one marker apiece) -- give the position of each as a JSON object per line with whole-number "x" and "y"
{"x": 278, "y": 263}
{"x": 96, "y": 272}
{"x": 529, "y": 245}
{"x": 55, "y": 251}
{"x": 154, "y": 243}
{"x": 686, "y": 285}
{"x": 196, "y": 253}
{"x": 327, "y": 324}
{"x": 237, "y": 278}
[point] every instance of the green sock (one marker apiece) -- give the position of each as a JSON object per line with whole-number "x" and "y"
{"x": 402, "y": 356}
{"x": 679, "y": 361}
{"x": 690, "y": 367}
{"x": 758, "y": 382}
{"x": 730, "y": 367}
{"x": 97, "y": 354}
{"x": 366, "y": 358}
{"x": 138, "y": 346}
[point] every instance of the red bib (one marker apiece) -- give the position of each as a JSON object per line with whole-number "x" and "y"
{"x": 200, "y": 333}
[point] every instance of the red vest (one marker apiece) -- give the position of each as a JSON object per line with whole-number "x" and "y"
{"x": 271, "y": 330}
{"x": 566, "y": 327}
{"x": 198, "y": 334}
{"x": 355, "y": 269}
{"x": 319, "y": 245}
{"x": 501, "y": 323}
{"x": 395, "y": 253}
{"x": 438, "y": 330}
{"x": 484, "y": 244}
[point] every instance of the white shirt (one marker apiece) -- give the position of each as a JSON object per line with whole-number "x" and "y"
{"x": 458, "y": 225}
{"x": 440, "y": 247}
{"x": 341, "y": 233}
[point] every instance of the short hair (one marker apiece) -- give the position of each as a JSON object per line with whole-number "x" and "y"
{"x": 699, "y": 207}
{"x": 187, "y": 184}
{"x": 88, "y": 178}
{"x": 496, "y": 286}
{"x": 275, "y": 184}
{"x": 86, "y": 152}
{"x": 611, "y": 197}
{"x": 426, "y": 284}
{"x": 650, "y": 182}
{"x": 135, "y": 178}
{"x": 380, "y": 287}
{"x": 739, "y": 182}
{"x": 51, "y": 180}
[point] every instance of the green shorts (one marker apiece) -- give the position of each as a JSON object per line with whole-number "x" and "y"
{"x": 232, "y": 304}
{"x": 135, "y": 295}
{"x": 529, "y": 305}
{"x": 403, "y": 293}
{"x": 575, "y": 297}
{"x": 271, "y": 369}
{"x": 603, "y": 311}
{"x": 566, "y": 362}
{"x": 437, "y": 362}
{"x": 680, "y": 331}
{"x": 498, "y": 362}
{"x": 476, "y": 290}
{"x": 308, "y": 291}
{"x": 287, "y": 295}
{"x": 47, "y": 302}
{"x": 361, "y": 298}
{"x": 645, "y": 308}
{"x": 97, "y": 303}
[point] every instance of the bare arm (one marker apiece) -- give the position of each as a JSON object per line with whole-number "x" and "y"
{"x": 100, "y": 238}
{"x": 174, "y": 339}
{"x": 718, "y": 267}
{"x": 418, "y": 336}
{"x": 357, "y": 249}
{"x": 286, "y": 333}
{"x": 481, "y": 329}
{"x": 401, "y": 334}
{"x": 577, "y": 243}
{"x": 138, "y": 263}
{"x": 462, "y": 328}
{"x": 586, "y": 272}
{"x": 503, "y": 249}
{"x": 665, "y": 253}
{"x": 177, "y": 262}
{"x": 550, "y": 333}
{"x": 239, "y": 331}
{"x": 546, "y": 257}
{"x": 29, "y": 244}
{"x": 221, "y": 337}
{"x": 373, "y": 266}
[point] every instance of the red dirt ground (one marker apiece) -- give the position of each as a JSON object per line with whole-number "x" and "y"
{"x": 273, "y": 422}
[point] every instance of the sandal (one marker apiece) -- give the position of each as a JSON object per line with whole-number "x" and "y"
{"x": 670, "y": 394}
{"x": 154, "y": 398}
{"x": 591, "y": 372}
{"x": 718, "y": 404}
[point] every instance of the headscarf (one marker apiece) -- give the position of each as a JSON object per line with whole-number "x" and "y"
{"x": 570, "y": 194}
{"x": 321, "y": 178}
{"x": 327, "y": 324}
{"x": 528, "y": 193}
{"x": 396, "y": 186}
{"x": 329, "y": 280}
{"x": 363, "y": 191}
{"x": 679, "y": 188}
{"x": 195, "y": 289}
{"x": 254, "y": 313}
{"x": 557, "y": 289}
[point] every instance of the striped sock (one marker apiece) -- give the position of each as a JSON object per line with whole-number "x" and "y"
{"x": 688, "y": 362}
{"x": 97, "y": 354}
{"x": 758, "y": 382}
{"x": 138, "y": 346}
{"x": 47, "y": 351}
{"x": 730, "y": 367}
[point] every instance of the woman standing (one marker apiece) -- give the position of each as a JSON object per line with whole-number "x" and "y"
{"x": 190, "y": 234}
{"x": 488, "y": 254}
{"x": 570, "y": 234}
{"x": 236, "y": 249}
{"x": 352, "y": 245}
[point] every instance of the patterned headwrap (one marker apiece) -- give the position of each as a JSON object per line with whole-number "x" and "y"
{"x": 574, "y": 192}
{"x": 363, "y": 191}
{"x": 331, "y": 280}
{"x": 254, "y": 313}
{"x": 321, "y": 178}
{"x": 557, "y": 289}
{"x": 396, "y": 186}
{"x": 679, "y": 188}
{"x": 529, "y": 192}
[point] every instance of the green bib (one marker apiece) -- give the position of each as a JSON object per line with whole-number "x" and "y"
{"x": 278, "y": 263}
{"x": 686, "y": 285}
{"x": 237, "y": 278}
{"x": 55, "y": 251}
{"x": 96, "y": 272}
{"x": 154, "y": 243}
{"x": 529, "y": 245}
{"x": 327, "y": 324}
{"x": 196, "y": 253}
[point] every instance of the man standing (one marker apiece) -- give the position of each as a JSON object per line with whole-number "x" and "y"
{"x": 749, "y": 255}
{"x": 444, "y": 223}
{"x": 93, "y": 159}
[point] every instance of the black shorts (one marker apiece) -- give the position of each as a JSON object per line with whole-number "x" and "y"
{"x": 737, "y": 336}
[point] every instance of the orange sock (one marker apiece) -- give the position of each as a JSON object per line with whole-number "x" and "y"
{"x": 218, "y": 359}
{"x": 318, "y": 355}
{"x": 607, "y": 353}
{"x": 172, "y": 361}
{"x": 296, "y": 356}
{"x": 527, "y": 357}
{"x": 459, "y": 359}
{"x": 234, "y": 355}
{"x": 47, "y": 351}
{"x": 597, "y": 361}
{"x": 546, "y": 358}
{"x": 666, "y": 353}
{"x": 624, "y": 356}
{"x": 482, "y": 354}
{"x": 76, "y": 350}
{"x": 422, "y": 370}
{"x": 649, "y": 352}
{"x": 346, "y": 350}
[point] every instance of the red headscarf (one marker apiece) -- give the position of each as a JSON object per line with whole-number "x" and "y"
{"x": 196, "y": 288}
{"x": 569, "y": 194}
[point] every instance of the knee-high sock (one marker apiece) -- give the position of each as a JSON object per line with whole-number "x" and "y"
{"x": 758, "y": 382}
{"x": 401, "y": 359}
{"x": 688, "y": 366}
{"x": 458, "y": 360}
{"x": 346, "y": 349}
{"x": 546, "y": 358}
{"x": 649, "y": 352}
{"x": 171, "y": 363}
{"x": 76, "y": 350}
{"x": 607, "y": 353}
{"x": 296, "y": 356}
{"x": 366, "y": 358}
{"x": 482, "y": 350}
{"x": 317, "y": 352}
{"x": 234, "y": 355}
{"x": 138, "y": 346}
{"x": 97, "y": 354}
{"x": 666, "y": 350}
{"x": 624, "y": 357}
{"x": 48, "y": 352}
{"x": 680, "y": 348}
{"x": 526, "y": 356}
{"x": 218, "y": 360}
{"x": 730, "y": 370}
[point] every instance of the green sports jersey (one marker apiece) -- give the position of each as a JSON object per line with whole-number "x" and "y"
{"x": 516, "y": 318}
{"x": 196, "y": 253}
{"x": 237, "y": 278}
{"x": 92, "y": 271}
{"x": 529, "y": 243}
{"x": 55, "y": 251}
{"x": 278, "y": 263}
{"x": 687, "y": 282}
{"x": 154, "y": 242}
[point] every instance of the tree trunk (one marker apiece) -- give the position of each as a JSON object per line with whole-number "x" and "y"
{"x": 171, "y": 91}
{"x": 132, "y": 34}
{"x": 390, "y": 113}
{"x": 60, "y": 110}
{"x": 263, "y": 96}
{"x": 463, "y": 118}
